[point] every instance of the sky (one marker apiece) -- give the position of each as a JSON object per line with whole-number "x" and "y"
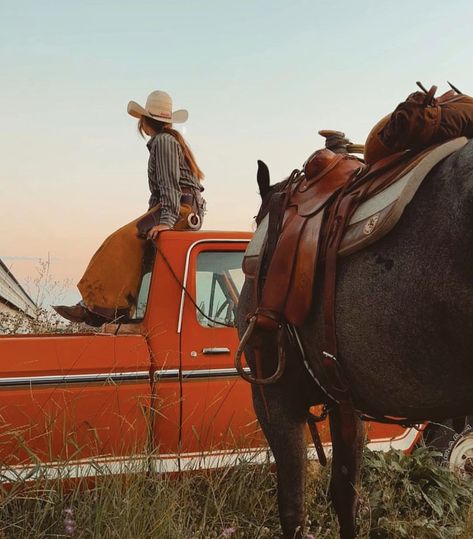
{"x": 259, "y": 79}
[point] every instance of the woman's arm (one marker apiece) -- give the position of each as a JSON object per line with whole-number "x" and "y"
{"x": 167, "y": 152}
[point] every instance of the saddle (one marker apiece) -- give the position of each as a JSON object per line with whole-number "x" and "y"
{"x": 335, "y": 206}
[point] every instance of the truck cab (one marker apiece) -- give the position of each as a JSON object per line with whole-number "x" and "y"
{"x": 158, "y": 393}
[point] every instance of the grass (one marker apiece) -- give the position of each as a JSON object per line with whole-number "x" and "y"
{"x": 41, "y": 289}
{"x": 401, "y": 496}
{"x": 414, "y": 497}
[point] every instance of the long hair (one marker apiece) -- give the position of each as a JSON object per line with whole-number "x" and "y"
{"x": 161, "y": 127}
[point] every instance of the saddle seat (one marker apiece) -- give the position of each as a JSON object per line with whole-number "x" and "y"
{"x": 336, "y": 200}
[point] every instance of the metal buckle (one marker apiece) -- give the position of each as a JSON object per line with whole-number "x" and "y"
{"x": 193, "y": 221}
{"x": 329, "y": 356}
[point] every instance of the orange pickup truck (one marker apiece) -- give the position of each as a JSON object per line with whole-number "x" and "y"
{"x": 160, "y": 393}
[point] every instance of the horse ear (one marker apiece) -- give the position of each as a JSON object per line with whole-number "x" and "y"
{"x": 262, "y": 177}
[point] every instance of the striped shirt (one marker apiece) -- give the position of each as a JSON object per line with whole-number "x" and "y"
{"x": 168, "y": 171}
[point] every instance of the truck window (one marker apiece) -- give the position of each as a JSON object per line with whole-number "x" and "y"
{"x": 142, "y": 300}
{"x": 143, "y": 296}
{"x": 219, "y": 280}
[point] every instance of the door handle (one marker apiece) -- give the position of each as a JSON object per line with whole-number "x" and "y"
{"x": 212, "y": 351}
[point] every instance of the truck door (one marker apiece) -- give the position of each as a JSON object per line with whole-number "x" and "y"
{"x": 75, "y": 403}
{"x": 218, "y": 421}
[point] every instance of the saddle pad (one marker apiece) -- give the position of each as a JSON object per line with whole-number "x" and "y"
{"x": 379, "y": 214}
{"x": 375, "y": 217}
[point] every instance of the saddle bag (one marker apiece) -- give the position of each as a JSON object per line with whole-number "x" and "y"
{"x": 423, "y": 120}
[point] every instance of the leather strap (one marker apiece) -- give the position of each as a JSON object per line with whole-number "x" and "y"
{"x": 429, "y": 100}
{"x": 281, "y": 268}
{"x": 298, "y": 301}
{"x": 314, "y": 432}
{"x": 276, "y": 211}
{"x": 340, "y": 216}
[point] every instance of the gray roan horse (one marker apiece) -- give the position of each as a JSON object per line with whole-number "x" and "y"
{"x": 404, "y": 310}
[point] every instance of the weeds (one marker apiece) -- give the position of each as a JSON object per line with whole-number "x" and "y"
{"x": 402, "y": 496}
{"x": 42, "y": 289}
{"x": 412, "y": 496}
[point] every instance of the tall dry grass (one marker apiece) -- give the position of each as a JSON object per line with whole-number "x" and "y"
{"x": 43, "y": 289}
{"x": 401, "y": 497}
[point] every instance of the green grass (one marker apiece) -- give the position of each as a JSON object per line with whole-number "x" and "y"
{"x": 401, "y": 497}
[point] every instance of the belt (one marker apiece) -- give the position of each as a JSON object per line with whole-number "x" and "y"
{"x": 192, "y": 197}
{"x": 187, "y": 198}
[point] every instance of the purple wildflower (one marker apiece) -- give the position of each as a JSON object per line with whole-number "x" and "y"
{"x": 69, "y": 529}
{"x": 69, "y": 522}
{"x": 228, "y": 532}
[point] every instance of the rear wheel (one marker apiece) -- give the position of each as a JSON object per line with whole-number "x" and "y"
{"x": 454, "y": 440}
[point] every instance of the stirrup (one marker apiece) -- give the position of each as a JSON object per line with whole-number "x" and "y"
{"x": 281, "y": 357}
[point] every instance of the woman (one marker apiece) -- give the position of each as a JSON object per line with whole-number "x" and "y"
{"x": 110, "y": 285}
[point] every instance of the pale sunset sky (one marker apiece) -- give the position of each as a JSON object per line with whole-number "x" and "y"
{"x": 259, "y": 79}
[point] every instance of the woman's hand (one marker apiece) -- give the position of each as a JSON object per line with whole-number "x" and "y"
{"x": 153, "y": 232}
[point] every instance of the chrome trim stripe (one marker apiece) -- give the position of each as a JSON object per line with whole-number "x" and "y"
{"x": 168, "y": 374}
{"x": 186, "y": 270}
{"x": 211, "y": 373}
{"x": 74, "y": 378}
{"x": 197, "y": 374}
{"x": 116, "y": 377}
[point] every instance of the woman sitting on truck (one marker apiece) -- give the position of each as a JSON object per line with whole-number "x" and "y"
{"x": 110, "y": 284}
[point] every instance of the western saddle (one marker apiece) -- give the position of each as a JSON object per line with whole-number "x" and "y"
{"x": 333, "y": 207}
{"x": 336, "y": 205}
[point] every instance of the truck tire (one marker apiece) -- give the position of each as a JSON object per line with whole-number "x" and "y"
{"x": 454, "y": 440}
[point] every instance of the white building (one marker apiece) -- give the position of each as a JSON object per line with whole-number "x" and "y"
{"x": 13, "y": 297}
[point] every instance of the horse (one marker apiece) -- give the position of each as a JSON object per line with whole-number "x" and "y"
{"x": 404, "y": 311}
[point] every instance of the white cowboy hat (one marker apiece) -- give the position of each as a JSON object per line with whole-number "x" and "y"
{"x": 159, "y": 107}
